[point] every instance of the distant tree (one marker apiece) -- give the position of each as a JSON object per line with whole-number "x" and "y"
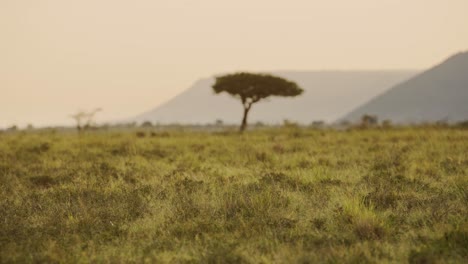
{"x": 259, "y": 124}
{"x": 369, "y": 120}
{"x": 317, "y": 124}
{"x": 219, "y": 122}
{"x": 12, "y": 128}
{"x": 345, "y": 123}
{"x": 90, "y": 117}
{"x": 251, "y": 88}
{"x": 146, "y": 124}
{"x": 131, "y": 124}
{"x": 387, "y": 123}
{"x": 290, "y": 124}
{"x": 85, "y": 120}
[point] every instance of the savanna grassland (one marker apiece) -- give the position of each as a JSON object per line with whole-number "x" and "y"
{"x": 284, "y": 195}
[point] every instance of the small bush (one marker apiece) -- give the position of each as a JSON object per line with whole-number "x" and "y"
{"x": 140, "y": 134}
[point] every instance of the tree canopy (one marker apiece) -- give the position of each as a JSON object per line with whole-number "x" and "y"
{"x": 254, "y": 87}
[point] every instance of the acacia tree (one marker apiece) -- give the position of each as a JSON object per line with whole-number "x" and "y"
{"x": 85, "y": 120}
{"x": 251, "y": 88}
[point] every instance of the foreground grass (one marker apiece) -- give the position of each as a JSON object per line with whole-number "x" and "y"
{"x": 284, "y": 195}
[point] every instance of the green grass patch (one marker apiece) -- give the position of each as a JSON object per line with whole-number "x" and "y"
{"x": 286, "y": 195}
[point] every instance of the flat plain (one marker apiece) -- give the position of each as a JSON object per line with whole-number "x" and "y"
{"x": 276, "y": 195}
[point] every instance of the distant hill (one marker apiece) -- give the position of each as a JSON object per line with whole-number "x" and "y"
{"x": 438, "y": 94}
{"x": 328, "y": 95}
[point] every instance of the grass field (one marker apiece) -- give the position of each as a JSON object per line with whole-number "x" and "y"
{"x": 285, "y": 195}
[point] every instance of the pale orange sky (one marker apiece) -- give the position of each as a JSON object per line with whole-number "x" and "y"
{"x": 58, "y": 56}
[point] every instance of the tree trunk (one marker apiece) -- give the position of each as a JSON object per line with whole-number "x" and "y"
{"x": 244, "y": 119}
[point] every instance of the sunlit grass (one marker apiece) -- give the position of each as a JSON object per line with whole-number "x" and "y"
{"x": 276, "y": 195}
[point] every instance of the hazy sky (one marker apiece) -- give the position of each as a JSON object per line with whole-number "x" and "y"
{"x": 58, "y": 56}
